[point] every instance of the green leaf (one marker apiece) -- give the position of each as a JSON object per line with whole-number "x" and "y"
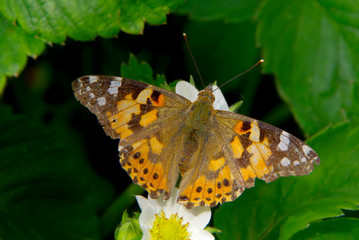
{"x": 280, "y": 209}
{"x": 333, "y": 229}
{"x": 135, "y": 12}
{"x": 48, "y": 191}
{"x": 54, "y": 20}
{"x": 15, "y": 46}
{"x": 143, "y": 72}
{"x": 137, "y": 71}
{"x": 2, "y": 84}
{"x": 311, "y": 46}
{"x": 228, "y": 10}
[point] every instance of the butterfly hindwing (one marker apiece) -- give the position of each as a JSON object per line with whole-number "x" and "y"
{"x": 212, "y": 180}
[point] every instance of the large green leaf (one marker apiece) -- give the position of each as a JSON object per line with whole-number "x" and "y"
{"x": 312, "y": 47}
{"x": 52, "y": 21}
{"x": 47, "y": 190}
{"x": 134, "y": 13}
{"x": 16, "y": 45}
{"x": 333, "y": 229}
{"x": 280, "y": 209}
{"x": 228, "y": 10}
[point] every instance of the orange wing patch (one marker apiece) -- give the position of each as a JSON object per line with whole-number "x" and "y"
{"x": 218, "y": 186}
{"x": 156, "y": 146}
{"x": 159, "y": 102}
{"x": 260, "y": 153}
{"x": 224, "y": 184}
{"x": 126, "y": 109}
{"x": 237, "y": 147}
{"x": 144, "y": 172}
{"x": 244, "y": 127}
{"x": 143, "y": 96}
{"x": 247, "y": 172}
{"x": 216, "y": 164}
{"x": 148, "y": 118}
{"x": 193, "y": 194}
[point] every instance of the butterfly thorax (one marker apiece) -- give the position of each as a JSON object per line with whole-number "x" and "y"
{"x": 198, "y": 119}
{"x": 200, "y": 112}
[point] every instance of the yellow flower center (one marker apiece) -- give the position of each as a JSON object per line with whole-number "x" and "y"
{"x": 169, "y": 228}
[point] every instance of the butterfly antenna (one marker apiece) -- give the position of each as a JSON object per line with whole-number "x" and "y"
{"x": 194, "y": 61}
{"x": 255, "y": 65}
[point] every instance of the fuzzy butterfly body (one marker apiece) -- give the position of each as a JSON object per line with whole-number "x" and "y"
{"x": 162, "y": 134}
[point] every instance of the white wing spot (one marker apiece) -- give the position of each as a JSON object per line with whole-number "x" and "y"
{"x": 303, "y": 160}
{"x": 93, "y": 79}
{"x": 117, "y": 82}
{"x": 296, "y": 163}
{"x": 282, "y": 146}
{"x": 113, "y": 89}
{"x": 306, "y": 150}
{"x": 284, "y": 137}
{"x": 101, "y": 101}
{"x": 285, "y": 162}
{"x": 88, "y": 88}
{"x": 284, "y": 141}
{"x": 255, "y": 132}
{"x": 92, "y": 95}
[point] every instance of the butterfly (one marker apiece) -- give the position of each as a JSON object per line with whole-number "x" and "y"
{"x": 217, "y": 153}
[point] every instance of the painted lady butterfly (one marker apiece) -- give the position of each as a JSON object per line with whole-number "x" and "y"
{"x": 218, "y": 153}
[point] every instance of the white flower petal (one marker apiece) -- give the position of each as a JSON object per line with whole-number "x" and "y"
{"x": 171, "y": 206}
{"x": 200, "y": 217}
{"x": 142, "y": 202}
{"x": 187, "y": 90}
{"x": 202, "y": 235}
{"x": 146, "y": 235}
{"x": 147, "y": 217}
{"x": 197, "y": 218}
{"x": 157, "y": 204}
{"x": 220, "y": 102}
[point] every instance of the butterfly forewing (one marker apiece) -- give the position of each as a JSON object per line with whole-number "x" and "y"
{"x": 124, "y": 106}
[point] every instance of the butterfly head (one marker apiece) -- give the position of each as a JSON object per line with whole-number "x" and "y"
{"x": 207, "y": 95}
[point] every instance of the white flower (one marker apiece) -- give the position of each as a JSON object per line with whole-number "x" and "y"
{"x": 166, "y": 219}
{"x": 187, "y": 90}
